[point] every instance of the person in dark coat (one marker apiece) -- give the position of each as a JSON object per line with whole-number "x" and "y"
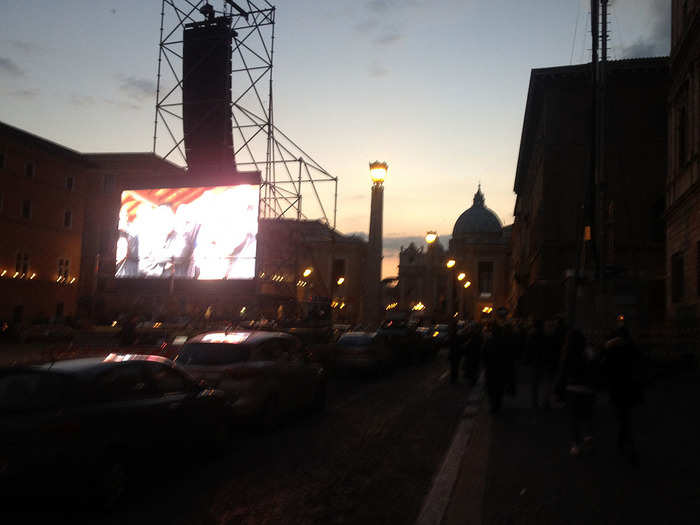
{"x": 495, "y": 363}
{"x": 472, "y": 353}
{"x": 455, "y": 351}
{"x": 578, "y": 380}
{"x": 535, "y": 351}
{"x": 623, "y": 367}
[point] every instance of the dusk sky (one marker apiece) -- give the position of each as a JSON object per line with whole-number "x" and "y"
{"x": 435, "y": 88}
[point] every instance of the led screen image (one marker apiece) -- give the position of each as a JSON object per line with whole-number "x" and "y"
{"x": 188, "y": 233}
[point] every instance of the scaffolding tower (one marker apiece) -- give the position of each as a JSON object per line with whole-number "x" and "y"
{"x": 290, "y": 176}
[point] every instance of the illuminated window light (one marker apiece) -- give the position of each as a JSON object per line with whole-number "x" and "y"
{"x": 72, "y": 280}
{"x": 15, "y": 275}
{"x": 451, "y": 263}
{"x": 243, "y": 310}
{"x": 307, "y": 272}
{"x": 114, "y": 323}
{"x": 340, "y": 281}
{"x": 467, "y": 284}
{"x": 461, "y": 276}
{"x": 3, "y": 273}
{"x": 32, "y": 276}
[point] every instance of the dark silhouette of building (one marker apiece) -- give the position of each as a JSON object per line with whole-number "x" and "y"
{"x": 553, "y": 166}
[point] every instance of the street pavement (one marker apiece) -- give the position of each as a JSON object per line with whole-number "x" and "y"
{"x": 517, "y": 468}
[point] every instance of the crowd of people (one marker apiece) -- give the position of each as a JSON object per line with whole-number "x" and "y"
{"x": 562, "y": 369}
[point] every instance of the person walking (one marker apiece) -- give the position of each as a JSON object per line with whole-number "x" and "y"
{"x": 495, "y": 364}
{"x": 535, "y": 350}
{"x": 578, "y": 379}
{"x": 472, "y": 354}
{"x": 623, "y": 367}
{"x": 455, "y": 351}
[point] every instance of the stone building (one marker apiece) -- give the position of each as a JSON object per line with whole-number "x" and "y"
{"x": 43, "y": 190}
{"x": 423, "y": 279}
{"x": 683, "y": 181}
{"x": 553, "y": 166}
{"x": 480, "y": 248}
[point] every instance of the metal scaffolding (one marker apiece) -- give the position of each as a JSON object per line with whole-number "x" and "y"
{"x": 290, "y": 176}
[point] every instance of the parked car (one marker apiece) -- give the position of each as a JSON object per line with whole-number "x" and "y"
{"x": 363, "y": 350}
{"x": 47, "y": 333}
{"x": 265, "y": 375}
{"x": 427, "y": 344}
{"x": 89, "y": 423}
{"x": 401, "y": 337}
{"x": 441, "y": 335}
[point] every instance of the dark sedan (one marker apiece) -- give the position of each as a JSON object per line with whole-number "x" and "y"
{"x": 86, "y": 423}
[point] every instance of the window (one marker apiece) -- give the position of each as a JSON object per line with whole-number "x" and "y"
{"x": 22, "y": 262}
{"x": 677, "y": 283}
{"x": 69, "y": 182}
{"x": 63, "y": 268}
{"x": 26, "y": 209}
{"x": 682, "y": 137}
{"x": 108, "y": 183}
{"x": 123, "y": 383}
{"x": 212, "y": 354}
{"x": 166, "y": 380}
{"x": 29, "y": 170}
{"x": 486, "y": 279}
{"x": 67, "y": 219}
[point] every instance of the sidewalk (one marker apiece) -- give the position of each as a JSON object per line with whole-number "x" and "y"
{"x": 517, "y": 468}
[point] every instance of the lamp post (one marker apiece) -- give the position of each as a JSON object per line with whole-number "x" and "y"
{"x": 377, "y": 171}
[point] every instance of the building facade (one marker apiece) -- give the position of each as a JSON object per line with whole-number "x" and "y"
{"x": 554, "y": 164}
{"x": 44, "y": 188}
{"x": 682, "y": 183}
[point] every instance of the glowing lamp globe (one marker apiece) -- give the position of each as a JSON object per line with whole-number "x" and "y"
{"x": 431, "y": 237}
{"x": 377, "y": 171}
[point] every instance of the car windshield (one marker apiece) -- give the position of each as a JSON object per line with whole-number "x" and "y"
{"x": 212, "y": 354}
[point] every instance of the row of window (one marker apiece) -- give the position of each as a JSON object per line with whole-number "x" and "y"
{"x": 26, "y": 211}
{"x": 678, "y": 292}
{"x": 22, "y": 265}
{"x": 30, "y": 172}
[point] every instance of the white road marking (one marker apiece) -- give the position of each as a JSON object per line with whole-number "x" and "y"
{"x": 435, "y": 504}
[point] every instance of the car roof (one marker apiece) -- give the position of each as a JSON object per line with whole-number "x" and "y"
{"x": 239, "y": 337}
{"x": 93, "y": 365}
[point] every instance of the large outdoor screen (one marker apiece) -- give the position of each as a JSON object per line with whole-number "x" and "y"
{"x": 188, "y": 233}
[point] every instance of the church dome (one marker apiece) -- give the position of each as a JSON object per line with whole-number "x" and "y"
{"x": 477, "y": 219}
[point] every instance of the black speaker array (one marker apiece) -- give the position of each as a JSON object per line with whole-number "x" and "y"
{"x": 206, "y": 97}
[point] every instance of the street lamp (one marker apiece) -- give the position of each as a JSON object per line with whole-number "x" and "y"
{"x": 467, "y": 284}
{"x": 431, "y": 237}
{"x": 307, "y": 271}
{"x": 461, "y": 276}
{"x": 377, "y": 171}
{"x": 451, "y": 263}
{"x": 340, "y": 281}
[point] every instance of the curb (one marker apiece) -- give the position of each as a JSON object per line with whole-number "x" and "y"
{"x": 437, "y": 501}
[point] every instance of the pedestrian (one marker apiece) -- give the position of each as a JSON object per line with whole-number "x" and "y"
{"x": 455, "y": 351}
{"x": 534, "y": 356}
{"x": 578, "y": 379}
{"x": 623, "y": 368}
{"x": 495, "y": 364}
{"x": 472, "y": 353}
